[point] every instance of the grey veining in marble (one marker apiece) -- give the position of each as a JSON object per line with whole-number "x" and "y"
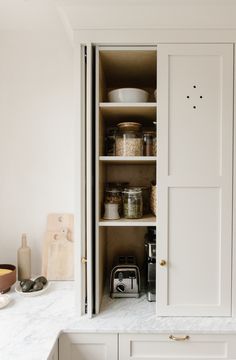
{"x": 30, "y": 326}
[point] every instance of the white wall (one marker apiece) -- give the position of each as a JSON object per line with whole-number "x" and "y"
{"x": 36, "y": 130}
{"x": 149, "y": 14}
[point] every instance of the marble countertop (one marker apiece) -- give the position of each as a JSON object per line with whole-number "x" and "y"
{"x": 31, "y": 326}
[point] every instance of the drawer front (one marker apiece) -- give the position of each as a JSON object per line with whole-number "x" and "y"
{"x": 177, "y": 346}
{"x": 78, "y": 346}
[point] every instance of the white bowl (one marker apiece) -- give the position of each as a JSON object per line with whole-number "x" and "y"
{"x": 4, "y": 300}
{"x": 128, "y": 95}
{"x": 19, "y": 291}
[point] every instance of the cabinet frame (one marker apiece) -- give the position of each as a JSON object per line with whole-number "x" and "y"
{"x": 152, "y": 37}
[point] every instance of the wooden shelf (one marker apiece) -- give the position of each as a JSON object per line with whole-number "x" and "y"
{"x": 125, "y": 110}
{"x": 128, "y": 105}
{"x": 128, "y": 159}
{"x": 147, "y": 220}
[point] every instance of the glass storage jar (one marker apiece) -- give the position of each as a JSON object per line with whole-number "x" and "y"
{"x": 149, "y": 140}
{"x": 133, "y": 203}
{"x": 155, "y": 146}
{"x": 145, "y": 197}
{"x": 114, "y": 196}
{"x": 110, "y": 141}
{"x": 129, "y": 141}
{"x": 117, "y": 185}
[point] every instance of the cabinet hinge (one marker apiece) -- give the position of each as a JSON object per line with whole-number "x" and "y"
{"x": 86, "y": 306}
{"x": 84, "y": 260}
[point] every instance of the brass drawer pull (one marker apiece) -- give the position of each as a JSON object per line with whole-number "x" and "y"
{"x": 179, "y": 338}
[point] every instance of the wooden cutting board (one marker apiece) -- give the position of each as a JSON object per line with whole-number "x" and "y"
{"x": 58, "y": 248}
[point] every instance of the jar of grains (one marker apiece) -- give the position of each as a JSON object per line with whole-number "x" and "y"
{"x": 133, "y": 203}
{"x": 114, "y": 196}
{"x": 149, "y": 138}
{"x": 129, "y": 141}
{"x": 110, "y": 141}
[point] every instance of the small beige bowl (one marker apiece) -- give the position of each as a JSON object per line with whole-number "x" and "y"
{"x": 7, "y": 280}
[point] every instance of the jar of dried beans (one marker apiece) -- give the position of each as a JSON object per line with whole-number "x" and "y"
{"x": 129, "y": 140}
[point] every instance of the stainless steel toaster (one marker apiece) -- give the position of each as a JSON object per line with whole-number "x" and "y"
{"x": 125, "y": 278}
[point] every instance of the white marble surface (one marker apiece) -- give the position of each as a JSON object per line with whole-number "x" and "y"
{"x": 30, "y": 326}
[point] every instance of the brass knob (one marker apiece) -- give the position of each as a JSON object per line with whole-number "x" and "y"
{"x": 162, "y": 262}
{"x": 84, "y": 260}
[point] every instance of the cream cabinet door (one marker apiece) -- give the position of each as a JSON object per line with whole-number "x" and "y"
{"x": 74, "y": 346}
{"x": 173, "y": 346}
{"x": 195, "y": 130}
{"x": 54, "y": 353}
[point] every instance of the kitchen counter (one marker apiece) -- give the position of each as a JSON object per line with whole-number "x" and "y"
{"x": 31, "y": 326}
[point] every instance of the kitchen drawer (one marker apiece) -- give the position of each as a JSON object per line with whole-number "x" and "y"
{"x": 88, "y": 346}
{"x": 150, "y": 346}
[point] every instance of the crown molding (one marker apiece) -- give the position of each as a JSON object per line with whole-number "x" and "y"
{"x": 150, "y": 14}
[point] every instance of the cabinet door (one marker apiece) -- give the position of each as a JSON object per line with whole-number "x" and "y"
{"x": 170, "y": 347}
{"x": 88, "y": 347}
{"x": 84, "y": 218}
{"x": 195, "y": 129}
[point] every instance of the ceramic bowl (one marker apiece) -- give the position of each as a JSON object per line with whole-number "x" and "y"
{"x": 131, "y": 95}
{"x": 7, "y": 280}
{"x": 4, "y": 301}
{"x": 19, "y": 291}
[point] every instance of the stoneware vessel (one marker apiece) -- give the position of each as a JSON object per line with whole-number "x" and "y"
{"x": 7, "y": 280}
{"x": 128, "y": 95}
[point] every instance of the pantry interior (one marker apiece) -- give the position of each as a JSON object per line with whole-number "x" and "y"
{"x": 121, "y": 67}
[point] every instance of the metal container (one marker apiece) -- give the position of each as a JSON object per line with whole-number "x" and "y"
{"x": 150, "y": 246}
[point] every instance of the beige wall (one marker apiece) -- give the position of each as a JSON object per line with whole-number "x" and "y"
{"x": 36, "y": 130}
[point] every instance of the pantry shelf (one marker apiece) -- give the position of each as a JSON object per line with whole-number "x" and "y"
{"x": 119, "y": 110}
{"x": 128, "y": 105}
{"x": 128, "y": 159}
{"x": 146, "y": 220}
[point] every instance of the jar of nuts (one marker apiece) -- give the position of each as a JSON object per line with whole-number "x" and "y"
{"x": 129, "y": 140}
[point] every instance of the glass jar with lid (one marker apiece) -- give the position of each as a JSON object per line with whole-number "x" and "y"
{"x": 110, "y": 141}
{"x": 149, "y": 141}
{"x": 114, "y": 196}
{"x": 133, "y": 203}
{"x": 129, "y": 140}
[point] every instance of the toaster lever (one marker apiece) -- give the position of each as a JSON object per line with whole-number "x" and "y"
{"x": 132, "y": 277}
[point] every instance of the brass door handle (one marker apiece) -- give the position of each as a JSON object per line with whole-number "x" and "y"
{"x": 84, "y": 260}
{"x": 162, "y": 262}
{"x": 179, "y": 338}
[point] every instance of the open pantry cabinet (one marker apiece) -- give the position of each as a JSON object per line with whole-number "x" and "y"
{"x": 193, "y": 121}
